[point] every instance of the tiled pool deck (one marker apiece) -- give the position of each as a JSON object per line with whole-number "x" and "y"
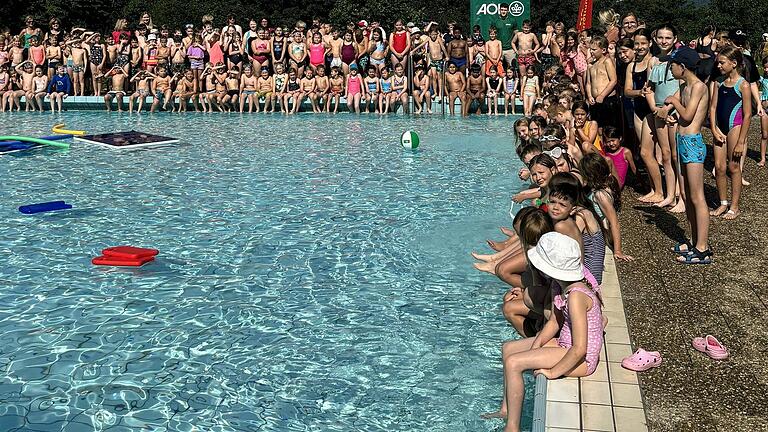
{"x": 609, "y": 400}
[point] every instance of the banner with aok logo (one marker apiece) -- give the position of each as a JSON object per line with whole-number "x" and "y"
{"x": 483, "y": 12}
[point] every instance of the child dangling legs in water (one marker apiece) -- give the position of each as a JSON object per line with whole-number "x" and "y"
{"x": 576, "y": 313}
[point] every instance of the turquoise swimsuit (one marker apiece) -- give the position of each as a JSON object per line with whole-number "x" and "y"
{"x": 764, "y": 88}
{"x": 664, "y": 84}
{"x": 386, "y": 86}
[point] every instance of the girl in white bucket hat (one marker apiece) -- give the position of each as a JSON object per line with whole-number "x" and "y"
{"x": 576, "y": 313}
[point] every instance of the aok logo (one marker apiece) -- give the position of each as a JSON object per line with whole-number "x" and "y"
{"x": 516, "y": 9}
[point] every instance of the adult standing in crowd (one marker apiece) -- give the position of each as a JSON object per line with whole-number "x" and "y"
{"x": 506, "y": 26}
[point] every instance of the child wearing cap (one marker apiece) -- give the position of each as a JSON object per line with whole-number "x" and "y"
{"x": 691, "y": 102}
{"x": 576, "y": 314}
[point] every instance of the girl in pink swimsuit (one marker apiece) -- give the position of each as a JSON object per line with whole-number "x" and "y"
{"x": 620, "y": 156}
{"x": 316, "y": 51}
{"x": 574, "y": 354}
{"x": 576, "y": 58}
{"x": 354, "y": 90}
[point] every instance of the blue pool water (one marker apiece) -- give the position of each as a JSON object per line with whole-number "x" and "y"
{"x": 313, "y": 276}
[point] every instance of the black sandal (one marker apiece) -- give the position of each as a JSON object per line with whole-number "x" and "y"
{"x": 696, "y": 256}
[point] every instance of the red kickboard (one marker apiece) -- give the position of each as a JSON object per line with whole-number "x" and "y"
{"x": 121, "y": 262}
{"x": 129, "y": 252}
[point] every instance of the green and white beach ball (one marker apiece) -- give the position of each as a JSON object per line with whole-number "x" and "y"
{"x": 410, "y": 140}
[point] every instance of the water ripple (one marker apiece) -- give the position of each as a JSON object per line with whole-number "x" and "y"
{"x": 313, "y": 276}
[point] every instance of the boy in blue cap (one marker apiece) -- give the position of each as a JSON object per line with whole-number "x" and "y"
{"x": 691, "y": 102}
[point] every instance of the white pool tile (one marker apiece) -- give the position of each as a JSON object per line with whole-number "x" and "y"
{"x": 563, "y": 415}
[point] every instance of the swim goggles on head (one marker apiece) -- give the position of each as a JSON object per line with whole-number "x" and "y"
{"x": 546, "y": 138}
{"x": 555, "y": 153}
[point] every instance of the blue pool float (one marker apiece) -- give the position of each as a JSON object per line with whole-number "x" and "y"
{"x": 10, "y": 146}
{"x": 18, "y": 145}
{"x": 44, "y": 207}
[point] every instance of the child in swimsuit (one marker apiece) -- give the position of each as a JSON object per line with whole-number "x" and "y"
{"x": 323, "y": 88}
{"x": 732, "y": 100}
{"x": 297, "y": 54}
{"x": 400, "y": 88}
{"x": 558, "y": 258}
{"x": 337, "y": 89}
{"x": 280, "y": 79}
{"x": 317, "y": 51}
{"x": 385, "y": 86}
{"x": 531, "y": 90}
{"x": 266, "y": 85}
{"x": 355, "y": 90}
{"x": 40, "y": 89}
{"x": 576, "y": 59}
{"x": 510, "y": 90}
{"x": 292, "y": 90}
{"x": 585, "y": 131}
{"x": 372, "y": 88}
{"x": 620, "y": 156}
{"x": 605, "y": 195}
{"x": 142, "y": 82}
{"x": 493, "y": 89}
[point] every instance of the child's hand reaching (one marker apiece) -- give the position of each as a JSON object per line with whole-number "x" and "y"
{"x": 513, "y": 294}
{"x": 524, "y": 173}
{"x": 621, "y": 257}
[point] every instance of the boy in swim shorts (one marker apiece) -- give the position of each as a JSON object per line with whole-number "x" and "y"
{"x": 525, "y": 44}
{"x": 601, "y": 85}
{"x": 117, "y": 90}
{"x": 266, "y": 85}
{"x": 322, "y": 88}
{"x": 161, "y": 89}
{"x": 691, "y": 102}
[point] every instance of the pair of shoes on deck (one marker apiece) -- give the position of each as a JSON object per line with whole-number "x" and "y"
{"x": 710, "y": 346}
{"x": 688, "y": 254}
{"x": 642, "y": 360}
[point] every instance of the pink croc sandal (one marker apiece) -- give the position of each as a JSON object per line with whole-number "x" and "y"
{"x": 710, "y": 346}
{"x": 642, "y": 360}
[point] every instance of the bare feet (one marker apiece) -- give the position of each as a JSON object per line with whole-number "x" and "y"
{"x": 508, "y": 232}
{"x": 731, "y": 214}
{"x": 761, "y": 163}
{"x": 651, "y": 197}
{"x": 493, "y": 415}
{"x": 481, "y": 257}
{"x": 488, "y": 267}
{"x": 678, "y": 208}
{"x": 497, "y": 246}
{"x": 665, "y": 202}
{"x": 719, "y": 210}
{"x": 744, "y": 182}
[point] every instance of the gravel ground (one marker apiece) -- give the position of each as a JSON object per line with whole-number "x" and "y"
{"x": 667, "y": 304}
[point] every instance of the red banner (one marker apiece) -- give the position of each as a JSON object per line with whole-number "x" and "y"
{"x": 584, "y": 20}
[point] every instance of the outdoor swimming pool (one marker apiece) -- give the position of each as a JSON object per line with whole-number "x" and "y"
{"x": 313, "y": 275}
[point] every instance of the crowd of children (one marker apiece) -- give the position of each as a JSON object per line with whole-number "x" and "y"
{"x": 595, "y": 103}
{"x": 259, "y": 68}
{"x": 607, "y": 103}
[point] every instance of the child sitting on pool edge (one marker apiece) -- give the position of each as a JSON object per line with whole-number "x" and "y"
{"x": 576, "y": 313}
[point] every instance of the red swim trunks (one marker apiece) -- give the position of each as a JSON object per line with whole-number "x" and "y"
{"x": 526, "y": 60}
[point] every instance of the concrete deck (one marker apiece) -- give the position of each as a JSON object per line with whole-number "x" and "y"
{"x": 609, "y": 400}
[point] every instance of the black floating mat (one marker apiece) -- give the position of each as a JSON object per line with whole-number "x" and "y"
{"x": 126, "y": 140}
